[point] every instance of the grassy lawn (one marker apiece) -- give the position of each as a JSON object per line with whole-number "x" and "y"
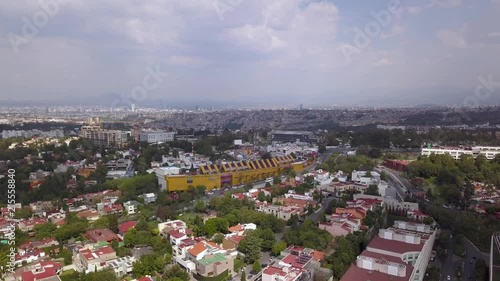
{"x": 187, "y": 216}
{"x": 68, "y": 272}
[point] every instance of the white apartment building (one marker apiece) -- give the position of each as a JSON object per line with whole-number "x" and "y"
{"x": 401, "y": 252}
{"x": 103, "y": 136}
{"x": 489, "y": 152}
{"x": 156, "y": 136}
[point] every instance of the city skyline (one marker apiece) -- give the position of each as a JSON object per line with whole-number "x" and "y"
{"x": 250, "y": 52}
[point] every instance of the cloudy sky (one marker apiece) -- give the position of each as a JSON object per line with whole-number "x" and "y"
{"x": 288, "y": 51}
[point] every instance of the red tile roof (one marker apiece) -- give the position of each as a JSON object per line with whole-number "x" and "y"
{"x": 271, "y": 270}
{"x": 360, "y": 274}
{"x": 50, "y": 269}
{"x": 394, "y": 246}
{"x": 126, "y": 226}
{"x": 197, "y": 249}
{"x": 236, "y": 228}
{"x": 236, "y": 239}
{"x": 179, "y": 233}
{"x": 102, "y": 234}
{"x": 294, "y": 261}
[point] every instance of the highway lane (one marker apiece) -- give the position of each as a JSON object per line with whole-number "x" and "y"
{"x": 394, "y": 182}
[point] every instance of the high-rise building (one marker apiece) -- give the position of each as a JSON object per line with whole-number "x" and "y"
{"x": 104, "y": 137}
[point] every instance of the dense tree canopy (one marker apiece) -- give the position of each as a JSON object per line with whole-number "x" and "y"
{"x": 308, "y": 235}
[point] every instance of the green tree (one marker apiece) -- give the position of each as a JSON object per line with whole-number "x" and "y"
{"x": 267, "y": 236}
{"x": 372, "y": 190}
{"x": 250, "y": 246}
{"x": 383, "y": 176}
{"x": 218, "y": 238}
{"x": 113, "y": 223}
{"x": 276, "y": 180}
{"x": 278, "y": 248}
{"x": 215, "y": 225}
{"x": 148, "y": 265}
{"x": 105, "y": 275}
{"x": 142, "y": 225}
{"x": 45, "y": 230}
{"x": 256, "y": 267}
{"x": 200, "y": 207}
{"x": 261, "y": 196}
{"x": 67, "y": 256}
{"x": 176, "y": 272}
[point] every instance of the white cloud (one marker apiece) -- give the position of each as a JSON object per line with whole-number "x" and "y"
{"x": 292, "y": 30}
{"x": 396, "y": 29}
{"x": 414, "y": 10}
{"x": 186, "y": 61}
{"x": 451, "y": 38}
{"x": 494, "y": 34}
{"x": 445, "y": 4}
{"x": 383, "y": 61}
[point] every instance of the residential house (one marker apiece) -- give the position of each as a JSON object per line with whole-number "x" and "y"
{"x": 231, "y": 242}
{"x": 239, "y": 229}
{"x": 281, "y": 212}
{"x": 39, "y": 244}
{"x": 101, "y": 234}
{"x": 91, "y": 261}
{"x": 177, "y": 235}
{"x": 180, "y": 250}
{"x": 131, "y": 207}
{"x": 42, "y": 271}
{"x": 121, "y": 266}
{"x": 126, "y": 226}
{"x": 28, "y": 255}
{"x": 90, "y": 215}
{"x": 149, "y": 198}
{"x": 215, "y": 265}
{"x": 165, "y": 227}
{"x": 28, "y": 224}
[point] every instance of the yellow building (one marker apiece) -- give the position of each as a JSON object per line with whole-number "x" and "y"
{"x": 235, "y": 173}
